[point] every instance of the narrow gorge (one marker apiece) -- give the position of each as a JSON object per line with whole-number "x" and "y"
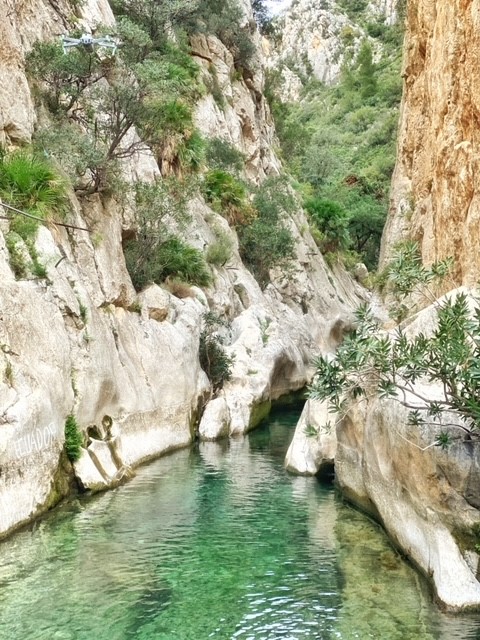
{"x": 197, "y": 197}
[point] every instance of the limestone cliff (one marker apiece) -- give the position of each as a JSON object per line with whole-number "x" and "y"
{"x": 316, "y": 37}
{"x": 82, "y": 342}
{"x": 435, "y": 195}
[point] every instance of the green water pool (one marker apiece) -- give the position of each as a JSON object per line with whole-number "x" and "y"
{"x": 216, "y": 542}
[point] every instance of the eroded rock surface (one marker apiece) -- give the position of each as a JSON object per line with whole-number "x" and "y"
{"x": 425, "y": 497}
{"x": 435, "y": 196}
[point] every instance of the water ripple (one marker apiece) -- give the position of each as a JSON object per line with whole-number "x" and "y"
{"x": 217, "y": 544}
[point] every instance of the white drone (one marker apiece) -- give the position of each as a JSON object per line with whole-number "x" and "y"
{"x": 87, "y": 41}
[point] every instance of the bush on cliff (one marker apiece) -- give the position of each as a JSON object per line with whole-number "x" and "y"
{"x": 169, "y": 257}
{"x": 214, "y": 359}
{"x": 267, "y": 242}
{"x": 371, "y": 363}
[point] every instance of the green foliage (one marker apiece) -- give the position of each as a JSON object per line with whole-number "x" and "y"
{"x": 8, "y": 375}
{"x": 219, "y": 252}
{"x": 223, "y": 18}
{"x": 227, "y": 195}
{"x": 64, "y": 78}
{"x": 222, "y": 155}
{"x": 366, "y": 71}
{"x": 191, "y": 152}
{"x": 151, "y": 86}
{"x": 97, "y": 102}
{"x": 158, "y": 206}
{"x": 214, "y": 359}
{"x": 16, "y": 255}
{"x": 339, "y": 141}
{"x": 179, "y": 259}
{"x": 262, "y": 16}
{"x": 370, "y": 363}
{"x": 266, "y": 242}
{"x": 172, "y": 257}
{"x": 310, "y": 431}
{"x": 332, "y": 221}
{"x": 73, "y": 439}
{"x": 155, "y": 18}
{"x": 408, "y": 282}
{"x": 30, "y": 183}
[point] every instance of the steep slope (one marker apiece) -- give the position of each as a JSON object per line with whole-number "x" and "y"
{"x": 81, "y": 342}
{"x": 435, "y": 196}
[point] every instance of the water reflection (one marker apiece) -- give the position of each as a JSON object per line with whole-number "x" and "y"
{"x": 215, "y": 543}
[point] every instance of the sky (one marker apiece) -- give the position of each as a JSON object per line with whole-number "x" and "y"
{"x": 276, "y": 6}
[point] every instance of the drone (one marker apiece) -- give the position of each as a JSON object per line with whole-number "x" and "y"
{"x": 87, "y": 41}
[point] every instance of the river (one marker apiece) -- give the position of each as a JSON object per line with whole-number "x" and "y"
{"x": 217, "y": 541}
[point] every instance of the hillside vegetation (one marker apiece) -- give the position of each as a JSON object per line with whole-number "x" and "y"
{"x": 99, "y": 109}
{"x": 339, "y": 141}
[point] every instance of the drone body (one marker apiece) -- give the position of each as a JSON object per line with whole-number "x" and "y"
{"x": 87, "y": 41}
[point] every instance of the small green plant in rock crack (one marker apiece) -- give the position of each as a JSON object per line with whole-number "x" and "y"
{"x": 83, "y": 311}
{"x": 73, "y": 439}
{"x": 310, "y": 431}
{"x": 264, "y": 325}
{"x": 214, "y": 358}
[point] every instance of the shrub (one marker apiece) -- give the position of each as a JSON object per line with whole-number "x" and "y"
{"x": 158, "y": 207}
{"x": 180, "y": 259}
{"x": 154, "y": 95}
{"x": 332, "y": 221}
{"x": 73, "y": 439}
{"x": 173, "y": 257}
{"x": 370, "y": 364}
{"x": 214, "y": 359}
{"x": 266, "y": 242}
{"x": 30, "y": 183}
{"x": 408, "y": 282}
{"x": 223, "y": 19}
{"x": 16, "y": 255}
{"x": 223, "y": 155}
{"x": 219, "y": 252}
{"x": 64, "y": 78}
{"x": 191, "y": 152}
{"x": 227, "y": 195}
{"x": 156, "y": 18}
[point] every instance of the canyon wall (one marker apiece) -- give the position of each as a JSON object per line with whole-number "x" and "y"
{"x": 426, "y": 496}
{"x": 435, "y": 195}
{"x": 82, "y": 342}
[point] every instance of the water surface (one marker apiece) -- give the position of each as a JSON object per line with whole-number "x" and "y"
{"x": 216, "y": 542}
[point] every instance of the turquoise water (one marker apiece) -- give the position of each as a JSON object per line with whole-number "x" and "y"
{"x": 217, "y": 542}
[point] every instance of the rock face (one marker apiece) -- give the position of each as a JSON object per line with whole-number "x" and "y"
{"x": 82, "y": 342}
{"x": 314, "y": 445}
{"x": 426, "y": 498}
{"x": 435, "y": 195}
{"x": 315, "y": 37}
